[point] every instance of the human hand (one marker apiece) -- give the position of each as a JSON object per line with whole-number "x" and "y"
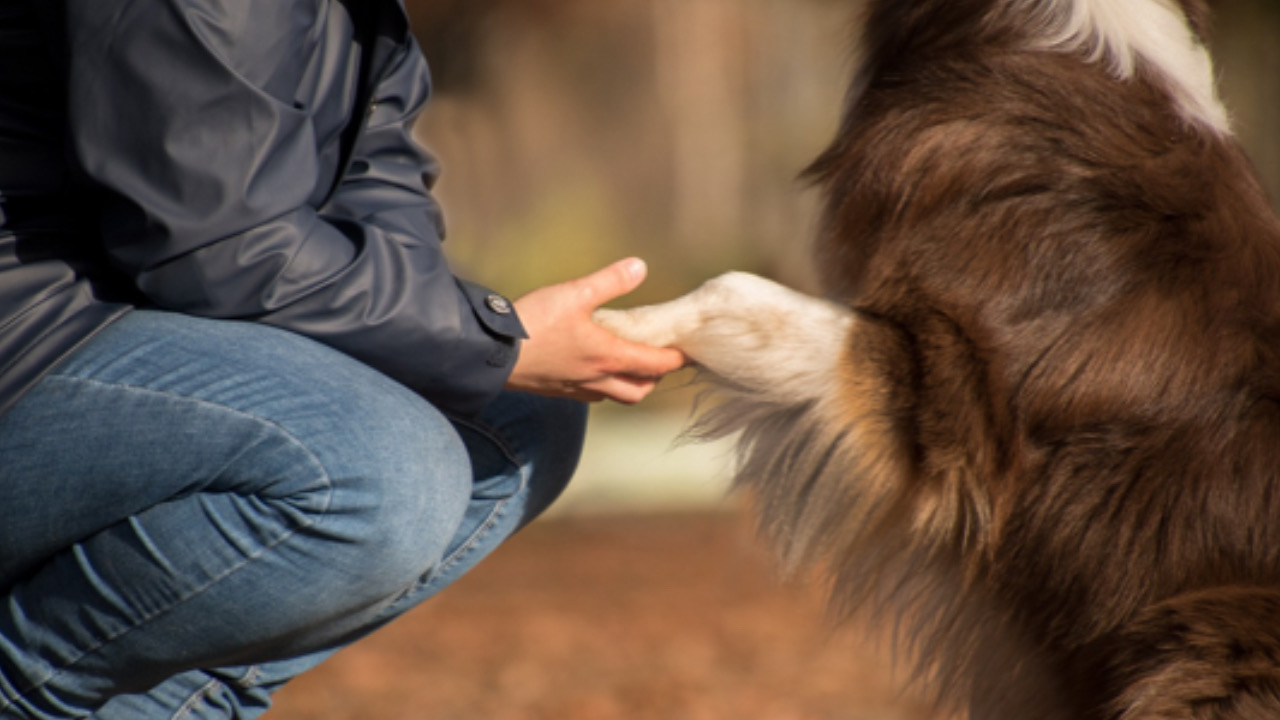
{"x": 569, "y": 355}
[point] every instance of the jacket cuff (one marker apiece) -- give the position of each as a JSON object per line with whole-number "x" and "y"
{"x": 496, "y": 315}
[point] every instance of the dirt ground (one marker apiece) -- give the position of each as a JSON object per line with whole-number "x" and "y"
{"x": 669, "y": 617}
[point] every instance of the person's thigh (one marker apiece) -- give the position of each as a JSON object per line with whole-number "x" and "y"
{"x": 523, "y": 451}
{"x": 186, "y": 493}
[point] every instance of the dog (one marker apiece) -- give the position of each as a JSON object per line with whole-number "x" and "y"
{"x": 1035, "y": 418}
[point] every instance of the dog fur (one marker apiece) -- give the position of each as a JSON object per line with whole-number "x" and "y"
{"x": 1038, "y": 423}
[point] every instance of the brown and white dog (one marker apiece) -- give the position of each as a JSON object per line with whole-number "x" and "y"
{"x": 1039, "y": 422}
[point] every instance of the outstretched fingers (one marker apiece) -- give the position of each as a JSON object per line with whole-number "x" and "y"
{"x": 568, "y": 354}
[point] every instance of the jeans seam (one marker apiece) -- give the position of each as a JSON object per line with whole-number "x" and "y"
{"x": 474, "y": 540}
{"x": 204, "y": 691}
{"x": 494, "y": 436}
{"x": 513, "y": 457}
{"x": 250, "y": 677}
{"x": 142, "y": 389}
{"x": 196, "y": 592}
{"x": 153, "y": 616}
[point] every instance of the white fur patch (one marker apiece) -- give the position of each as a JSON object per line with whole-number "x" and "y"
{"x": 1124, "y": 33}
{"x": 761, "y": 338}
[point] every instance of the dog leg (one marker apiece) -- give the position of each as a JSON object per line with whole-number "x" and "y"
{"x": 752, "y": 334}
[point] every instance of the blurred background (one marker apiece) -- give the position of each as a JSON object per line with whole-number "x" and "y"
{"x": 576, "y": 132}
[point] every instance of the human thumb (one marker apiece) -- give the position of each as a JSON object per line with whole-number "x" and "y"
{"x": 613, "y": 281}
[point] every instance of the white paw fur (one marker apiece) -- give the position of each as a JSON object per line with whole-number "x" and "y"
{"x": 753, "y": 334}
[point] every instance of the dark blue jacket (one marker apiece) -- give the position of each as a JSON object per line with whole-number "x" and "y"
{"x": 248, "y": 160}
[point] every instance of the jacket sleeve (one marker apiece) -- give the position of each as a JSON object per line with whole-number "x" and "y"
{"x": 212, "y": 127}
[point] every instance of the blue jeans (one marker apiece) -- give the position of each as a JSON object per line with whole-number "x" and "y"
{"x": 194, "y": 511}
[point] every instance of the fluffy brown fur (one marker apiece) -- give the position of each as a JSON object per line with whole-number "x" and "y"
{"x": 1055, "y": 453}
{"x": 1041, "y": 428}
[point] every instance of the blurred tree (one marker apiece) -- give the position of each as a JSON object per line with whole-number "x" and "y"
{"x": 1246, "y": 44}
{"x": 452, "y": 34}
{"x": 575, "y": 131}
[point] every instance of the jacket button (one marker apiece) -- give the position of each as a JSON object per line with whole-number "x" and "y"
{"x": 498, "y": 304}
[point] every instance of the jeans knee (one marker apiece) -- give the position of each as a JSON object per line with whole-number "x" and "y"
{"x": 551, "y": 434}
{"x": 396, "y": 507}
{"x": 566, "y": 430}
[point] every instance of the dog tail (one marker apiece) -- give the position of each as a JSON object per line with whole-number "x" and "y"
{"x": 1212, "y": 654}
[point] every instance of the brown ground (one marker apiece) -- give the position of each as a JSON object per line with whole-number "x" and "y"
{"x": 679, "y": 617}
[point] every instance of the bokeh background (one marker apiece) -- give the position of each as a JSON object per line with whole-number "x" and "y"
{"x": 576, "y": 132}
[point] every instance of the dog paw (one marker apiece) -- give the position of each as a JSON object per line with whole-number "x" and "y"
{"x": 749, "y": 331}
{"x": 654, "y": 325}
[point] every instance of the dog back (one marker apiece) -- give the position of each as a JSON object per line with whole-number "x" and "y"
{"x": 1073, "y": 280}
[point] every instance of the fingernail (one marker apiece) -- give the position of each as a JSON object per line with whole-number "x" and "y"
{"x": 636, "y": 268}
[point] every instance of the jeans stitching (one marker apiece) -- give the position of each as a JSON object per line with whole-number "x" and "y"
{"x": 250, "y": 677}
{"x": 196, "y": 592}
{"x": 492, "y": 435}
{"x": 474, "y": 540}
{"x": 188, "y": 705}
